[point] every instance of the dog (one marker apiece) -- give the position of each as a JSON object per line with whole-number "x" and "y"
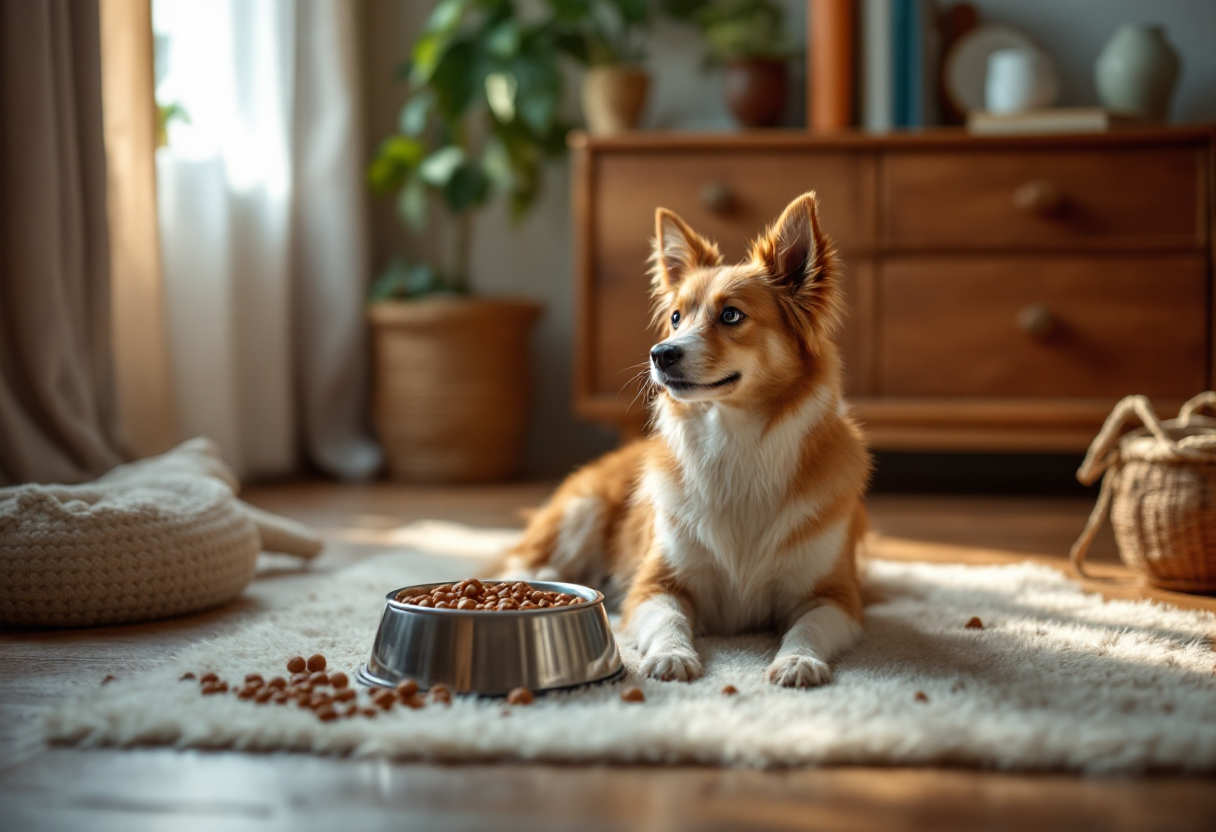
{"x": 744, "y": 508}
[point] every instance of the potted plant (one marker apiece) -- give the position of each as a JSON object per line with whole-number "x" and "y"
{"x": 452, "y": 380}
{"x": 607, "y": 37}
{"x": 747, "y": 38}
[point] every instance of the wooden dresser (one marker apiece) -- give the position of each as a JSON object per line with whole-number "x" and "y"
{"x": 1004, "y": 292}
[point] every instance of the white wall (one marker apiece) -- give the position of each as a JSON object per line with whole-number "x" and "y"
{"x": 535, "y": 258}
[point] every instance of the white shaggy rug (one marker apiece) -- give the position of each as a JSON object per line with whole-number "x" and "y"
{"x": 1057, "y": 679}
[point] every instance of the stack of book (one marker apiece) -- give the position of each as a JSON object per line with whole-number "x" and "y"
{"x": 1050, "y": 120}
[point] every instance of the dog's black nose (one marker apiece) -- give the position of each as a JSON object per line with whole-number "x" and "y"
{"x": 666, "y": 355}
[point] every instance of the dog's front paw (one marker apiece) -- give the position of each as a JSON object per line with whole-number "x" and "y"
{"x": 679, "y": 664}
{"x": 799, "y": 672}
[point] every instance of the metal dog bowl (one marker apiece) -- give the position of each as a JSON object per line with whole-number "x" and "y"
{"x": 491, "y": 652}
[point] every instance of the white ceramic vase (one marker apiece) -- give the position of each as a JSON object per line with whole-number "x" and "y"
{"x": 1136, "y": 72}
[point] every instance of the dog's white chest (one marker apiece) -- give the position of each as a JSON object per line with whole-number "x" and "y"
{"x": 724, "y": 521}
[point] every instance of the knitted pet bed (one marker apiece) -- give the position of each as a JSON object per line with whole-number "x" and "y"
{"x": 160, "y": 537}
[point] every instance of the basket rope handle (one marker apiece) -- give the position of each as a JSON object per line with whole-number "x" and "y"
{"x": 1080, "y": 549}
{"x": 1104, "y": 451}
{"x": 1204, "y": 401}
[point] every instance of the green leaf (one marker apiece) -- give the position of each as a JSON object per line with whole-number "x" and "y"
{"x": 411, "y": 204}
{"x": 414, "y": 114}
{"x": 539, "y": 87}
{"x": 571, "y": 11}
{"x": 459, "y": 78}
{"x": 438, "y": 168}
{"x": 503, "y": 40}
{"x": 632, "y": 11}
{"x": 432, "y": 46}
{"x": 446, "y": 16}
{"x": 501, "y": 89}
{"x": 395, "y": 158}
{"x": 467, "y": 188}
{"x": 403, "y": 280}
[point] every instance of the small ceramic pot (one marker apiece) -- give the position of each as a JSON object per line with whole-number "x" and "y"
{"x": 613, "y": 98}
{"x": 1019, "y": 80}
{"x": 1136, "y": 72}
{"x": 755, "y": 90}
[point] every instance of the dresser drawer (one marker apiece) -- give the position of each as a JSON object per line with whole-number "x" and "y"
{"x": 1043, "y": 199}
{"x": 1057, "y": 327}
{"x": 728, "y": 196}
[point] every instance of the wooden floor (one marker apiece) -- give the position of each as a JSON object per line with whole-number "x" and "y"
{"x": 130, "y": 790}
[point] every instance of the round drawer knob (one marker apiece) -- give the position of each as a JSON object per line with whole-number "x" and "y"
{"x": 1037, "y": 321}
{"x": 717, "y": 197}
{"x": 1040, "y": 198}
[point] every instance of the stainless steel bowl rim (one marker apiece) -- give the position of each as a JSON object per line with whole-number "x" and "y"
{"x": 367, "y": 678}
{"x": 596, "y": 599}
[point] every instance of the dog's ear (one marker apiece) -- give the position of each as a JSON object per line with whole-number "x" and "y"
{"x": 677, "y": 250}
{"x": 800, "y": 259}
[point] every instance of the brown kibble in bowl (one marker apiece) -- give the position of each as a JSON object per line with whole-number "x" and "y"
{"x": 406, "y": 686}
{"x": 975, "y": 623}
{"x": 247, "y": 692}
{"x": 344, "y": 695}
{"x": 316, "y": 662}
{"x": 472, "y": 595}
{"x": 520, "y": 696}
{"x": 338, "y": 679}
{"x": 254, "y": 679}
{"x": 215, "y": 687}
{"x": 920, "y": 696}
{"x": 414, "y": 701}
{"x": 263, "y": 695}
{"x": 384, "y": 699}
{"x": 186, "y": 676}
{"x": 632, "y": 694}
{"x": 319, "y": 679}
{"x": 327, "y": 714}
{"x": 208, "y": 678}
{"x": 277, "y": 682}
{"x": 729, "y": 690}
{"x": 296, "y": 664}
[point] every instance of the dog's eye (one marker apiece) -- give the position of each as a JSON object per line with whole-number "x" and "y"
{"x": 731, "y": 316}
{"x": 675, "y": 319}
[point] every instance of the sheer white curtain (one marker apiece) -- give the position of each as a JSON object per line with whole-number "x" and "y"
{"x": 263, "y": 230}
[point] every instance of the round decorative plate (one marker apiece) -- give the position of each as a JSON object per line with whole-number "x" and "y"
{"x": 966, "y": 64}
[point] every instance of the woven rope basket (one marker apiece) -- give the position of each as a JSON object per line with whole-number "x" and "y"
{"x": 453, "y": 387}
{"x": 1159, "y": 486}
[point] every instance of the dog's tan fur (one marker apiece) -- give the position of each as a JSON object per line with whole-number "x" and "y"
{"x": 744, "y": 510}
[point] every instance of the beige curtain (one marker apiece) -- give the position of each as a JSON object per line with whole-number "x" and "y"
{"x": 141, "y": 351}
{"x": 58, "y": 409}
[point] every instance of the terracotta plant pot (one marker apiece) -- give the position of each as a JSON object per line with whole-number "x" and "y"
{"x": 755, "y": 90}
{"x": 452, "y": 387}
{"x": 613, "y": 98}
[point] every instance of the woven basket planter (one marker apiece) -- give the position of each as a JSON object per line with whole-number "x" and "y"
{"x": 1159, "y": 485}
{"x": 452, "y": 387}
